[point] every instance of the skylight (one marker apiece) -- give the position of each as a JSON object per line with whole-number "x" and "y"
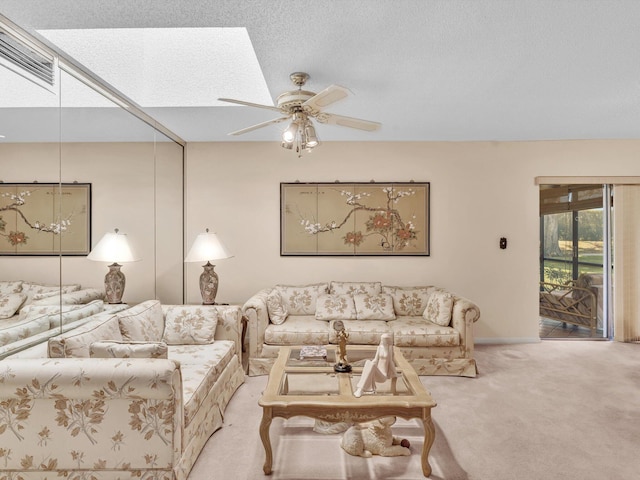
{"x": 169, "y": 67}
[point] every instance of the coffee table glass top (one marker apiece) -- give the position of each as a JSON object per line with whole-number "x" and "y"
{"x": 309, "y": 372}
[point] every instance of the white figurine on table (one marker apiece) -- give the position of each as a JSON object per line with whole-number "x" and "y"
{"x": 381, "y": 368}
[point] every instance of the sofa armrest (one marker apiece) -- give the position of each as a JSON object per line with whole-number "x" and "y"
{"x": 465, "y": 314}
{"x": 99, "y": 408}
{"x": 255, "y": 310}
{"x": 230, "y": 326}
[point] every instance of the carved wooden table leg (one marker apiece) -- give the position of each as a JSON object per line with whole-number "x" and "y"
{"x": 429, "y": 437}
{"x": 266, "y": 441}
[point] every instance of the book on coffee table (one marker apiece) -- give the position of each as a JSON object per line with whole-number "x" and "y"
{"x": 313, "y": 351}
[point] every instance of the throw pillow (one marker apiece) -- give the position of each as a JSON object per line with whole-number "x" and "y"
{"x": 439, "y": 308}
{"x": 10, "y": 287}
{"x": 277, "y": 309}
{"x": 584, "y": 281}
{"x": 409, "y": 301}
{"x": 335, "y": 307}
{"x": 301, "y": 300}
{"x": 11, "y": 303}
{"x": 353, "y": 288}
{"x": 374, "y": 307}
{"x": 114, "y": 349}
{"x": 144, "y": 322}
{"x": 189, "y": 325}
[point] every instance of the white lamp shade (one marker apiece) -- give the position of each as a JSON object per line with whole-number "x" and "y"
{"x": 113, "y": 247}
{"x": 207, "y": 246}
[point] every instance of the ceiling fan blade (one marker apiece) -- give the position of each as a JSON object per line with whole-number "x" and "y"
{"x": 259, "y": 125}
{"x": 343, "y": 121}
{"x": 249, "y": 104}
{"x": 329, "y": 95}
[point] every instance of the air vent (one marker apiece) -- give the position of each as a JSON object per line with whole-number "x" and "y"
{"x": 25, "y": 61}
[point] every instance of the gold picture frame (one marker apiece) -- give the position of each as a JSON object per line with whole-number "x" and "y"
{"x": 356, "y": 218}
{"x": 45, "y": 219}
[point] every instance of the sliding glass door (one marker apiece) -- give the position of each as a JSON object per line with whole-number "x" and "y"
{"x": 574, "y": 260}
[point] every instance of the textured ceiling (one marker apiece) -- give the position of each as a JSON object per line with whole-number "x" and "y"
{"x": 427, "y": 70}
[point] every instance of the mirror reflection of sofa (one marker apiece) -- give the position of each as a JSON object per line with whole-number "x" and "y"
{"x": 28, "y": 308}
{"x": 577, "y": 302}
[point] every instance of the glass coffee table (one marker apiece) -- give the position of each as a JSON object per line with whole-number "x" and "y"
{"x": 308, "y": 386}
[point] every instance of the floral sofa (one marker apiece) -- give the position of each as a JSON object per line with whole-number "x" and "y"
{"x": 135, "y": 394}
{"x": 28, "y": 308}
{"x": 432, "y": 327}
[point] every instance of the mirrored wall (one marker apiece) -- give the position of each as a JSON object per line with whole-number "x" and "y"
{"x": 78, "y": 160}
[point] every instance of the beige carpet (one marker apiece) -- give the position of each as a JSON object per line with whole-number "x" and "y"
{"x": 547, "y": 411}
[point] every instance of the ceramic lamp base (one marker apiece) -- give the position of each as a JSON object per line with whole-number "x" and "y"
{"x": 208, "y": 284}
{"x": 114, "y": 282}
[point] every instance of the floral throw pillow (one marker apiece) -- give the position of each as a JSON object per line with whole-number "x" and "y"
{"x": 301, "y": 300}
{"x": 277, "y": 309}
{"x": 374, "y": 307}
{"x": 190, "y": 326}
{"x": 408, "y": 300}
{"x": 439, "y": 308}
{"x": 143, "y": 322}
{"x": 114, "y": 349}
{"x": 10, "y": 304}
{"x": 9, "y": 286}
{"x": 335, "y": 307}
{"x": 353, "y": 288}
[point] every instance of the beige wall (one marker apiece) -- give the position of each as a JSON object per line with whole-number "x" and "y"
{"x": 124, "y": 196}
{"x": 480, "y": 191}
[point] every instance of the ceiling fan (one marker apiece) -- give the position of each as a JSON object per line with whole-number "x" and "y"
{"x": 300, "y": 106}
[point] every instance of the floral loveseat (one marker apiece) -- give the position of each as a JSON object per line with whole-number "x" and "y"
{"x": 432, "y": 327}
{"x": 131, "y": 395}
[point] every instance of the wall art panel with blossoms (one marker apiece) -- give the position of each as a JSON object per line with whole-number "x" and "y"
{"x": 45, "y": 218}
{"x": 354, "y": 218}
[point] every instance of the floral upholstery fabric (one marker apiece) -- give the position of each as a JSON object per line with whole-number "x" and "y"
{"x": 416, "y": 332}
{"x": 10, "y": 303}
{"x": 82, "y": 418}
{"x": 201, "y": 367}
{"x": 353, "y": 288}
{"x": 301, "y": 300}
{"x": 8, "y": 286}
{"x": 32, "y": 289}
{"x": 298, "y": 330}
{"x": 276, "y": 307}
{"x": 335, "y": 307}
{"x": 409, "y": 300}
{"x": 374, "y": 307}
{"x": 362, "y": 332}
{"x": 142, "y": 322}
{"x": 113, "y": 349}
{"x": 62, "y": 313}
{"x": 14, "y": 329}
{"x": 72, "y": 298}
{"x": 76, "y": 342}
{"x": 189, "y": 324}
{"x": 439, "y": 308}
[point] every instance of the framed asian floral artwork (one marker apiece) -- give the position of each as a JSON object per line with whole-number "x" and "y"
{"x": 45, "y": 218}
{"x": 354, "y": 218}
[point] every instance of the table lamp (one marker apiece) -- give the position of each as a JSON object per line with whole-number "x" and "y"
{"x": 206, "y": 247}
{"x": 113, "y": 247}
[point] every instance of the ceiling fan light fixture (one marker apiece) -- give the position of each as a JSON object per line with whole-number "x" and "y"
{"x": 311, "y": 139}
{"x": 289, "y": 135}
